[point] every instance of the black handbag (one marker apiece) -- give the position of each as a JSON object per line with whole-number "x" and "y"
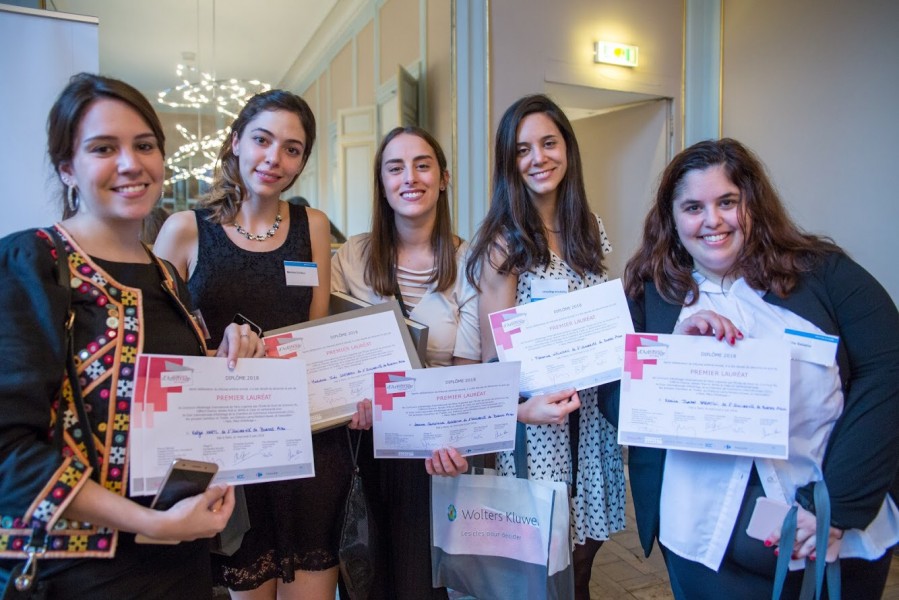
{"x": 357, "y": 535}
{"x": 228, "y": 540}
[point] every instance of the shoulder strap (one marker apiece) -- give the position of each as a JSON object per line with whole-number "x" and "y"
{"x": 63, "y": 276}
{"x": 399, "y": 298}
{"x": 176, "y": 288}
{"x": 62, "y": 261}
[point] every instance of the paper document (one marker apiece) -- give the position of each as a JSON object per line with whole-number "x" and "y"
{"x": 695, "y": 393}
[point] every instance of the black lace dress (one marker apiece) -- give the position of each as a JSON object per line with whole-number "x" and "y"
{"x": 294, "y": 524}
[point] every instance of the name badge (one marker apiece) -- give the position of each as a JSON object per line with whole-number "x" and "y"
{"x": 301, "y": 273}
{"x": 541, "y": 289}
{"x": 815, "y": 348}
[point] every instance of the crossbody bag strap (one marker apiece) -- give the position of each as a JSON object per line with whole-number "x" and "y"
{"x": 172, "y": 286}
{"x": 398, "y": 294}
{"x": 521, "y": 450}
{"x": 520, "y": 454}
{"x": 63, "y": 276}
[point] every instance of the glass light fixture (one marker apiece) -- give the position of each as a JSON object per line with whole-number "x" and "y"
{"x": 206, "y": 95}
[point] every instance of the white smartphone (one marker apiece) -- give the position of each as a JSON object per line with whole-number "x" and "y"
{"x": 184, "y": 479}
{"x": 767, "y": 516}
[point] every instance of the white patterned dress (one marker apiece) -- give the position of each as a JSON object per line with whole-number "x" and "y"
{"x": 597, "y": 506}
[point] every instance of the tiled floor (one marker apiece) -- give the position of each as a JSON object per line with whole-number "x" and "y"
{"x": 620, "y": 572}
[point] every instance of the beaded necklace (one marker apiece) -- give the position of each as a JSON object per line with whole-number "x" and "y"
{"x": 262, "y": 236}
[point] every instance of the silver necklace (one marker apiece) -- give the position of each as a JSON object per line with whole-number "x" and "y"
{"x": 262, "y": 236}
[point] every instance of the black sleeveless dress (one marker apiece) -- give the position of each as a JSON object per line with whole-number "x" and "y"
{"x": 293, "y": 524}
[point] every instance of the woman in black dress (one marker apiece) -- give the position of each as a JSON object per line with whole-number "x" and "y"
{"x": 232, "y": 252}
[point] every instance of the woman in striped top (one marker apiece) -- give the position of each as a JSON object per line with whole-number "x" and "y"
{"x": 412, "y": 254}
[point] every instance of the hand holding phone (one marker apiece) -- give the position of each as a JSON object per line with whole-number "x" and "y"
{"x": 242, "y": 320}
{"x": 185, "y": 478}
{"x": 768, "y": 516}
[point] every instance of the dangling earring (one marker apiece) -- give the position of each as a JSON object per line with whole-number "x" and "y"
{"x": 71, "y": 198}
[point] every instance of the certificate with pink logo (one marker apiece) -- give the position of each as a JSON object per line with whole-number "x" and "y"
{"x": 573, "y": 340}
{"x": 253, "y": 421}
{"x": 695, "y": 393}
{"x": 341, "y": 353}
{"x": 472, "y": 408}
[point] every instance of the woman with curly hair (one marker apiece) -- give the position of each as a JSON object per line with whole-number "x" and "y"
{"x": 232, "y": 252}
{"x": 721, "y": 257}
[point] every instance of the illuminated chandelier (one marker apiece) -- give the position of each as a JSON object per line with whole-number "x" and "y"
{"x": 221, "y": 96}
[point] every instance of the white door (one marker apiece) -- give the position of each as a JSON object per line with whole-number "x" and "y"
{"x": 624, "y": 150}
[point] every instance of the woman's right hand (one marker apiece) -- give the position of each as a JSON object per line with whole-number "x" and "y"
{"x": 549, "y": 409}
{"x": 707, "y": 322}
{"x": 446, "y": 462}
{"x": 240, "y": 341}
{"x": 362, "y": 417}
{"x": 200, "y": 516}
{"x": 805, "y": 539}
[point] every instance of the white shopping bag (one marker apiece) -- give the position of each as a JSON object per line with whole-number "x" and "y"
{"x": 501, "y": 537}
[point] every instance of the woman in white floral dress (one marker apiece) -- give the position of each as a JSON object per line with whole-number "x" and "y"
{"x": 539, "y": 228}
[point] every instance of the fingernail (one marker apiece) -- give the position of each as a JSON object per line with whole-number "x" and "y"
{"x": 776, "y": 552}
{"x": 811, "y": 557}
{"x": 768, "y": 544}
{"x": 232, "y": 364}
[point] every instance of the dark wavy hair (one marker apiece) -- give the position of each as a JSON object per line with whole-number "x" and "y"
{"x": 512, "y": 231}
{"x": 381, "y": 246}
{"x": 68, "y": 111}
{"x": 225, "y": 196}
{"x": 775, "y": 252}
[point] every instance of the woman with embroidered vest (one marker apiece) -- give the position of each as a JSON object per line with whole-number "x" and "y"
{"x": 70, "y": 481}
{"x": 721, "y": 257}
{"x": 411, "y": 253}
{"x": 539, "y": 228}
{"x": 233, "y": 252}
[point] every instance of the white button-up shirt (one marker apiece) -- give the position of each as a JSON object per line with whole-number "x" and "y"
{"x": 702, "y": 493}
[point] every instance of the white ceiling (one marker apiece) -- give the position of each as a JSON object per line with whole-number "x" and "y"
{"x": 141, "y": 41}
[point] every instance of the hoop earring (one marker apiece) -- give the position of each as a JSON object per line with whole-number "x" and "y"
{"x": 71, "y": 198}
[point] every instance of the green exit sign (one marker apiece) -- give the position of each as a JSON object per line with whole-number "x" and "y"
{"x": 612, "y": 53}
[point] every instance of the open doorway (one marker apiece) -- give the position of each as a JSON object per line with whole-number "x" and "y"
{"x": 625, "y": 140}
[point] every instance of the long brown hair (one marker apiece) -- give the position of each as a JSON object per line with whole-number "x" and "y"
{"x": 225, "y": 196}
{"x": 775, "y": 252}
{"x": 68, "y": 110}
{"x": 381, "y": 245}
{"x": 513, "y": 219}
